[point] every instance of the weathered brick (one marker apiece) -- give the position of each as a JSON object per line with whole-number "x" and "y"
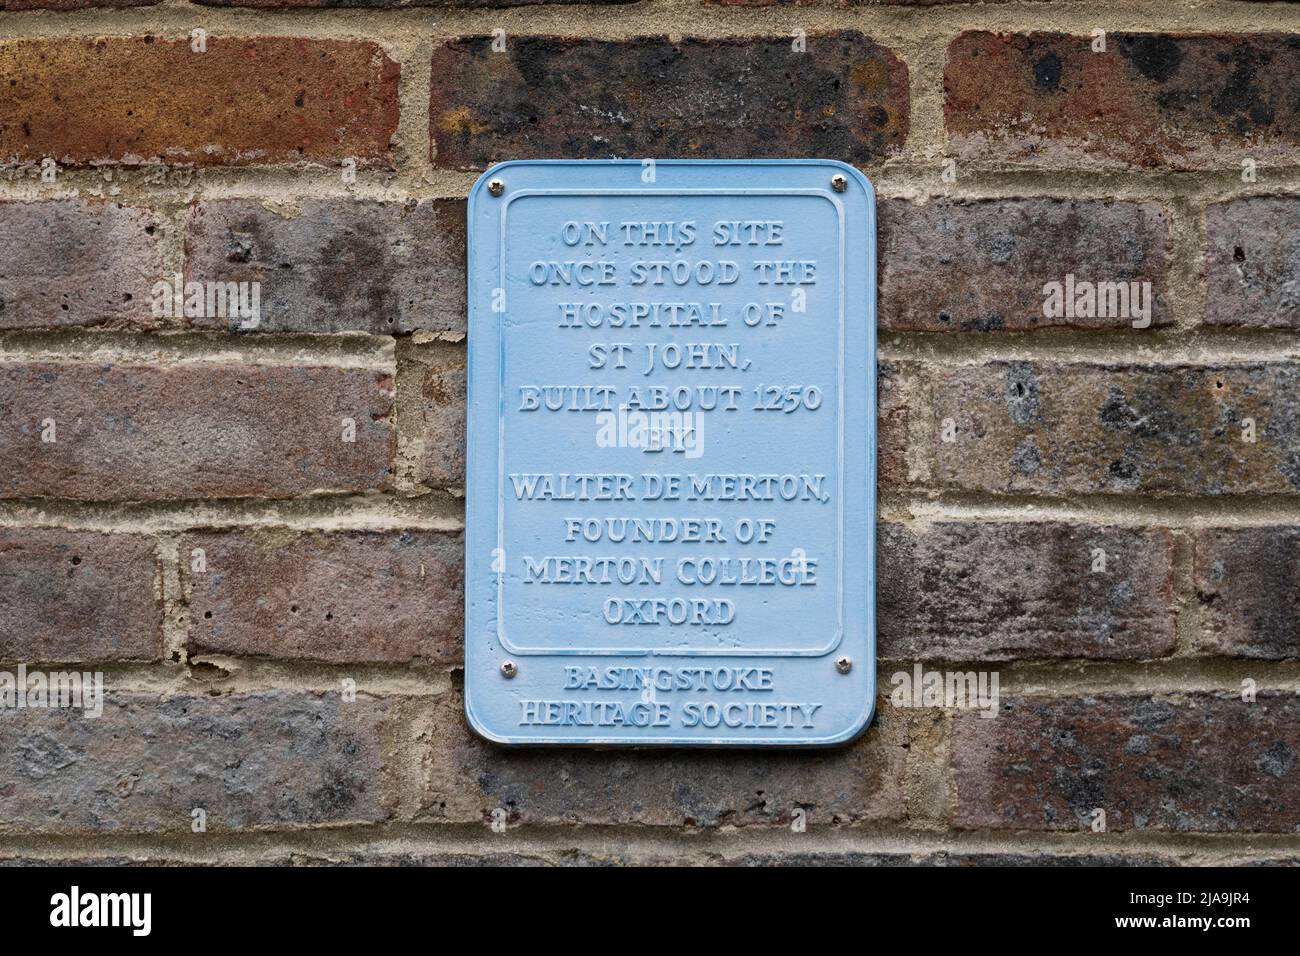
{"x": 274, "y": 758}
{"x": 442, "y": 409}
{"x": 1063, "y": 428}
{"x": 1248, "y": 584}
{"x": 371, "y": 857}
{"x": 71, "y": 4}
{"x": 1194, "y": 762}
{"x": 336, "y": 265}
{"x": 847, "y": 3}
{"x": 191, "y": 430}
{"x": 467, "y": 778}
{"x": 943, "y": 858}
{"x": 981, "y": 265}
{"x": 622, "y": 853}
{"x": 461, "y": 4}
{"x": 78, "y": 596}
{"x": 1154, "y": 100}
{"x": 891, "y": 423}
{"x": 73, "y": 262}
{"x": 243, "y": 101}
{"x": 341, "y": 596}
{"x": 545, "y": 97}
{"x": 996, "y": 591}
{"x": 1252, "y": 263}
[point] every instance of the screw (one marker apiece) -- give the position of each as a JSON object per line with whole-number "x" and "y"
{"x": 839, "y": 183}
{"x": 496, "y": 187}
{"x": 844, "y": 665}
{"x": 509, "y": 669}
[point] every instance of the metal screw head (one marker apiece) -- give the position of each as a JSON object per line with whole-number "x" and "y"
{"x": 839, "y": 183}
{"x": 509, "y": 669}
{"x": 844, "y": 664}
{"x": 496, "y": 187}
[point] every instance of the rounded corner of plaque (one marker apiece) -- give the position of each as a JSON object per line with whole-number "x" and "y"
{"x": 855, "y": 729}
{"x": 478, "y": 726}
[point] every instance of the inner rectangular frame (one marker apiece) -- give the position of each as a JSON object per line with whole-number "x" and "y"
{"x": 687, "y": 652}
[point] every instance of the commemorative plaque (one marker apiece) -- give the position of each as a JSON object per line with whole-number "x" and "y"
{"x": 671, "y": 456}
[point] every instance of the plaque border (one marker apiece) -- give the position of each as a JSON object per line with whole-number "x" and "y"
{"x": 841, "y": 297}
{"x": 482, "y": 660}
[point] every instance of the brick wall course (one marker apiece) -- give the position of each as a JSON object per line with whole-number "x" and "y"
{"x": 1014, "y": 446}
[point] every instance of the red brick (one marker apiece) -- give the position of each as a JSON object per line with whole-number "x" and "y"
{"x": 1251, "y": 273}
{"x": 336, "y": 265}
{"x": 467, "y": 779}
{"x": 192, "y": 430}
{"x": 1193, "y": 762}
{"x": 275, "y": 758}
{"x": 243, "y": 101}
{"x": 548, "y": 97}
{"x": 78, "y": 596}
{"x": 1248, "y": 585}
{"x": 981, "y": 265}
{"x": 75, "y": 262}
{"x": 1071, "y": 428}
{"x": 1006, "y": 591}
{"x": 340, "y": 597}
{"x": 1152, "y": 100}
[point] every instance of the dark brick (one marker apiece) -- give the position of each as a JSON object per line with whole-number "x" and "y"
{"x": 846, "y": 3}
{"x": 274, "y": 758}
{"x": 75, "y": 262}
{"x": 944, "y": 858}
{"x": 1005, "y": 591}
{"x": 602, "y": 855}
{"x": 1194, "y": 762}
{"x": 1069, "y": 428}
{"x": 192, "y": 430}
{"x": 63, "y": 861}
{"x": 1252, "y": 263}
{"x": 1248, "y": 584}
{"x": 78, "y": 596}
{"x": 1152, "y": 100}
{"x": 468, "y": 778}
{"x": 478, "y": 858}
{"x": 72, "y": 4}
{"x": 341, "y": 596}
{"x": 388, "y": 4}
{"x": 981, "y": 265}
{"x": 243, "y": 101}
{"x": 547, "y": 97}
{"x": 336, "y": 265}
{"x": 713, "y": 856}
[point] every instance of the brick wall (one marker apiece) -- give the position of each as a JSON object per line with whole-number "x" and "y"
{"x": 180, "y": 508}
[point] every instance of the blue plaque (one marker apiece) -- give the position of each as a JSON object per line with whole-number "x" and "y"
{"x": 670, "y": 497}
